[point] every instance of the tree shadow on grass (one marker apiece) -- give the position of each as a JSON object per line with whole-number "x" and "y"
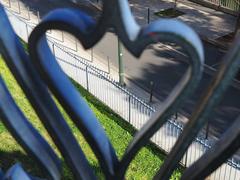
{"x": 8, "y": 159}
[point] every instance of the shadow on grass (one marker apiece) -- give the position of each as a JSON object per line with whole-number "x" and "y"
{"x": 8, "y": 159}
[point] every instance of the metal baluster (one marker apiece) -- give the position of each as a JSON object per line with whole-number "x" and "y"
{"x": 87, "y": 78}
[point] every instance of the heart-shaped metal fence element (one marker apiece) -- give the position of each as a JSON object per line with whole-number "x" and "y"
{"x": 16, "y": 172}
{"x": 116, "y": 14}
{"x": 82, "y": 27}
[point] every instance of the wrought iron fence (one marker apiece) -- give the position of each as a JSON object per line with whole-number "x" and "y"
{"x": 231, "y": 6}
{"x": 126, "y": 104}
{"x": 136, "y": 111}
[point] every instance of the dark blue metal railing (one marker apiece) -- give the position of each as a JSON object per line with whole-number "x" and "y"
{"x": 39, "y": 72}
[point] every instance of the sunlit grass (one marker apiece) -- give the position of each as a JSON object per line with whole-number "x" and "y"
{"x": 144, "y": 166}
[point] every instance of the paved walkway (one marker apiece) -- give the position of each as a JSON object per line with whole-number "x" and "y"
{"x": 208, "y": 23}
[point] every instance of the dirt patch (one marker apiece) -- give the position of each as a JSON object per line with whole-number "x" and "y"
{"x": 169, "y": 13}
{"x": 226, "y": 40}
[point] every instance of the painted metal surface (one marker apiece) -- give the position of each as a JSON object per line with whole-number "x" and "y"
{"x": 40, "y": 71}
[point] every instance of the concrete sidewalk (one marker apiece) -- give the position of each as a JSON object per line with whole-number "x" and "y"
{"x": 208, "y": 23}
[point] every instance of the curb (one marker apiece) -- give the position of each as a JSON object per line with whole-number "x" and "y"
{"x": 95, "y": 5}
{"x": 214, "y": 42}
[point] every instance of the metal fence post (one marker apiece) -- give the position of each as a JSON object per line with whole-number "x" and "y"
{"x": 207, "y": 130}
{"x": 38, "y": 16}
{"x": 62, "y": 37}
{"x": 148, "y": 15}
{"x": 27, "y": 30}
{"x": 19, "y": 10}
{"x": 120, "y": 63}
{"x": 76, "y": 44}
{"x": 76, "y": 67}
{"x": 129, "y": 108}
{"x": 87, "y": 77}
{"x": 186, "y": 157}
{"x": 151, "y": 91}
{"x": 108, "y": 61}
{"x": 9, "y": 4}
{"x": 176, "y": 115}
{"x": 28, "y": 12}
{"x": 91, "y": 54}
{"x": 53, "y": 50}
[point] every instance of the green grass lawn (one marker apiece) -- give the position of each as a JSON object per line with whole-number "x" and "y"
{"x": 144, "y": 166}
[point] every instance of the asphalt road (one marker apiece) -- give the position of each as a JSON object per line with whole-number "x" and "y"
{"x": 162, "y": 66}
{"x": 165, "y": 67}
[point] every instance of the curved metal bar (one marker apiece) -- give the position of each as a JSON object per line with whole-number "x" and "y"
{"x": 163, "y": 30}
{"x": 16, "y": 172}
{"x": 1, "y": 174}
{"x": 210, "y": 98}
{"x": 79, "y": 24}
{"x": 39, "y": 97}
{"x": 167, "y": 31}
{"x": 27, "y": 135}
{"x": 217, "y": 155}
